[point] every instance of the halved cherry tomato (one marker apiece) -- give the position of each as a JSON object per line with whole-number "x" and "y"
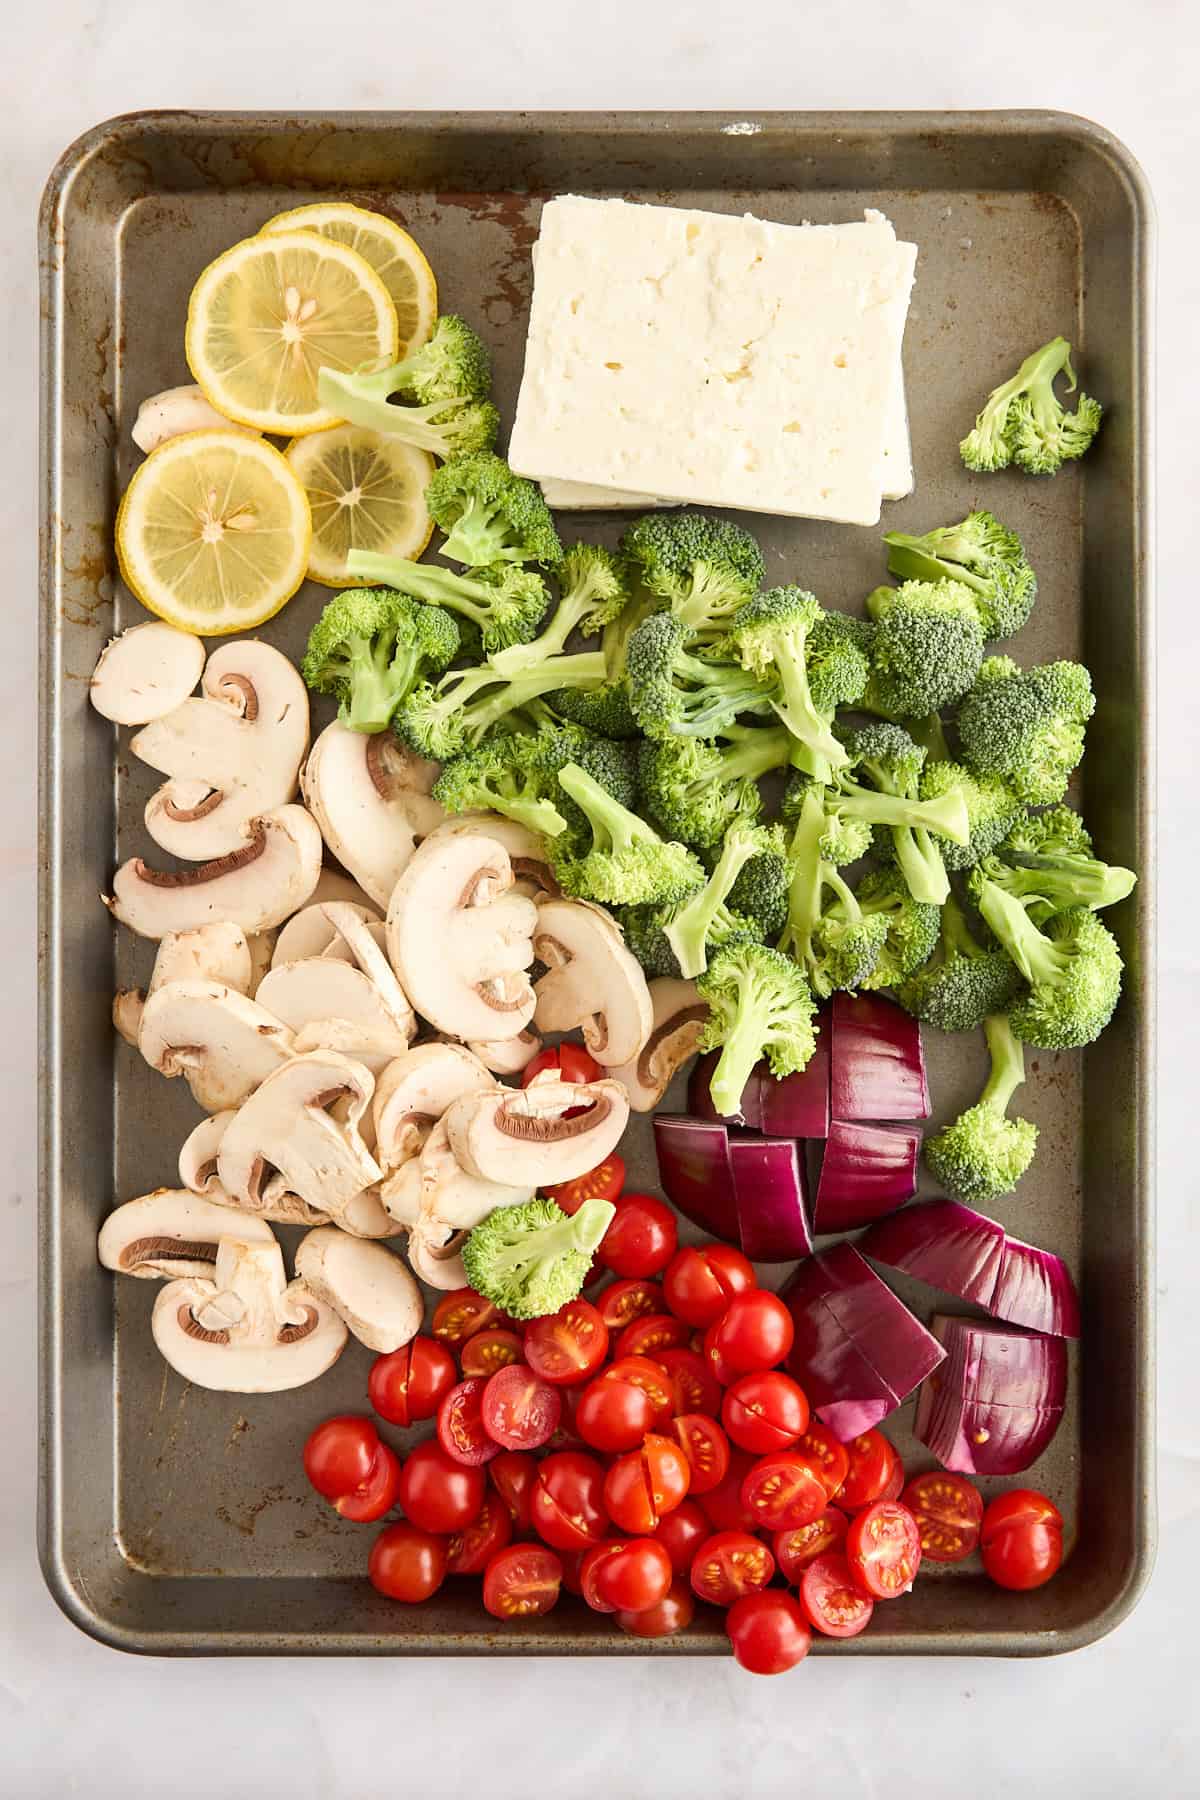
{"x": 470, "y": 1550}
{"x": 643, "y": 1485}
{"x": 873, "y": 1465}
{"x": 568, "y": 1501}
{"x": 654, "y": 1380}
{"x": 894, "y": 1486}
{"x": 674, "y": 1612}
{"x": 1022, "y": 1539}
{"x": 723, "y": 1504}
{"x": 641, "y": 1238}
{"x": 948, "y": 1511}
{"x": 460, "y": 1427}
{"x": 513, "y": 1474}
{"x": 350, "y": 1467}
{"x": 706, "y": 1448}
{"x": 651, "y": 1335}
{"x": 883, "y": 1547}
{"x": 827, "y": 1454}
{"x": 571, "y": 1061}
{"x": 437, "y": 1493}
{"x": 613, "y": 1415}
{"x": 730, "y": 1564}
{"x": 588, "y": 1569}
{"x": 521, "y": 1582}
{"x": 782, "y": 1490}
{"x": 701, "y": 1280}
{"x": 520, "y": 1411}
{"x": 768, "y": 1632}
{"x": 765, "y": 1412}
{"x": 461, "y": 1313}
{"x": 572, "y": 1569}
{"x": 831, "y": 1598}
{"x": 408, "y": 1384}
{"x": 490, "y": 1350}
{"x": 604, "y": 1182}
{"x": 568, "y": 1346}
{"x": 566, "y": 1435}
{"x": 799, "y": 1545}
{"x": 681, "y": 1534}
{"x": 754, "y": 1332}
{"x": 623, "y": 1301}
{"x": 699, "y": 1389}
{"x": 407, "y": 1563}
{"x": 715, "y": 1360}
{"x": 629, "y": 1575}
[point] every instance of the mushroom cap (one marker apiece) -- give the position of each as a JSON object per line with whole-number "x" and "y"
{"x": 127, "y": 1014}
{"x": 414, "y": 1091}
{"x": 438, "y": 1266}
{"x": 435, "y": 1196}
{"x": 224, "y": 1044}
{"x": 163, "y": 416}
{"x": 309, "y": 933}
{"x": 216, "y": 952}
{"x": 532, "y": 874}
{"x": 256, "y": 887}
{"x": 322, "y": 1000}
{"x": 333, "y": 885}
{"x": 284, "y": 1138}
{"x": 507, "y": 1056}
{"x": 679, "y": 1017}
{"x": 366, "y": 1285}
{"x": 145, "y": 673}
{"x": 170, "y": 1234}
{"x": 371, "y": 798}
{"x": 367, "y": 1217}
{"x": 460, "y": 941}
{"x": 593, "y": 981}
{"x": 246, "y": 1331}
{"x": 198, "y": 1173}
{"x": 371, "y": 956}
{"x": 524, "y": 1136}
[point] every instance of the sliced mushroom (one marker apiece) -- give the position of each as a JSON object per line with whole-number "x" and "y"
{"x": 460, "y": 941}
{"x": 198, "y": 1173}
{"x": 223, "y": 1044}
{"x": 170, "y": 1234}
{"x": 148, "y": 671}
{"x": 127, "y": 1013}
{"x": 246, "y": 1331}
{"x": 333, "y": 1005}
{"x": 371, "y": 799}
{"x": 216, "y": 952}
{"x": 438, "y": 1265}
{"x": 679, "y": 1016}
{"x": 261, "y": 946}
{"x": 507, "y": 1056}
{"x": 435, "y": 1196}
{"x": 284, "y": 1139}
{"x": 594, "y": 981}
{"x": 414, "y": 1091}
{"x": 256, "y": 887}
{"x": 231, "y": 755}
{"x": 367, "y": 1286}
{"x": 371, "y": 957}
{"x": 532, "y": 874}
{"x": 309, "y": 933}
{"x": 367, "y": 1217}
{"x": 550, "y": 1131}
{"x": 176, "y": 410}
{"x": 333, "y": 885}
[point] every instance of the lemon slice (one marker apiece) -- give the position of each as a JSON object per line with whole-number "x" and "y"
{"x": 365, "y": 492}
{"x": 271, "y": 312}
{"x": 397, "y": 258}
{"x": 213, "y": 532}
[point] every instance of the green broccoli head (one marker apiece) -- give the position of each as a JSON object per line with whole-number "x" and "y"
{"x": 531, "y": 1259}
{"x": 1073, "y": 968}
{"x": 980, "y": 554}
{"x": 704, "y": 920}
{"x": 759, "y": 1004}
{"x": 620, "y": 860}
{"x": 992, "y": 809}
{"x": 984, "y": 1153}
{"x": 845, "y": 838}
{"x": 963, "y": 981}
{"x": 911, "y": 926}
{"x": 454, "y": 364}
{"x": 839, "y": 660}
{"x": 1023, "y": 421}
{"x": 506, "y": 602}
{"x": 489, "y": 514}
{"x": 694, "y": 790}
{"x": 452, "y": 425}
{"x": 928, "y": 646}
{"x": 1027, "y": 726}
{"x": 604, "y": 710}
{"x": 370, "y": 647}
{"x": 513, "y": 773}
{"x": 444, "y": 720}
{"x": 703, "y": 568}
{"x": 646, "y": 936}
{"x": 593, "y": 592}
{"x": 675, "y": 693}
{"x": 1058, "y": 831}
{"x": 770, "y": 636}
{"x": 760, "y": 893}
{"x": 845, "y": 952}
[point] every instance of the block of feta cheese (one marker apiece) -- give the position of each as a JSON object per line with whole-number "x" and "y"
{"x": 718, "y": 360}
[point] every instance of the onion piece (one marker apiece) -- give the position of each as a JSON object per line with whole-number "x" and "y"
{"x": 877, "y": 1064}
{"x": 1035, "y": 1288}
{"x": 695, "y": 1171}
{"x": 997, "y": 1400}
{"x": 770, "y": 1193}
{"x": 866, "y": 1171}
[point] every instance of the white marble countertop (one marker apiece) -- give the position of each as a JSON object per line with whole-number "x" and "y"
{"x": 1117, "y": 1719}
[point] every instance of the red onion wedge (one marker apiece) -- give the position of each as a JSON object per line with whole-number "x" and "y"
{"x": 791, "y": 1106}
{"x": 877, "y": 1065}
{"x": 694, "y": 1167}
{"x": 771, "y": 1197}
{"x": 997, "y": 1400}
{"x": 866, "y": 1171}
{"x": 858, "y": 1351}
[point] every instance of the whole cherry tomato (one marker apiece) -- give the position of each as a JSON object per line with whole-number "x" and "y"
{"x": 641, "y": 1238}
{"x": 798, "y": 1545}
{"x": 833, "y": 1602}
{"x": 604, "y": 1182}
{"x": 653, "y": 1379}
{"x": 631, "y": 1575}
{"x": 408, "y": 1384}
{"x": 570, "y": 1061}
{"x": 699, "y": 1389}
{"x": 407, "y": 1563}
{"x": 568, "y": 1346}
{"x": 701, "y": 1280}
{"x": 568, "y": 1501}
{"x": 513, "y": 1474}
{"x": 674, "y": 1612}
{"x": 754, "y": 1332}
{"x": 1022, "y": 1539}
{"x": 520, "y": 1411}
{"x": 572, "y": 1569}
{"x": 460, "y": 1427}
{"x": 642, "y": 1485}
{"x": 651, "y": 1335}
{"x": 873, "y": 1466}
{"x": 765, "y": 1412}
{"x": 521, "y": 1582}
{"x": 827, "y": 1454}
{"x": 723, "y": 1504}
{"x": 730, "y": 1564}
{"x": 949, "y": 1513}
{"x": 350, "y": 1467}
{"x": 490, "y": 1350}
{"x": 706, "y": 1448}
{"x": 768, "y": 1632}
{"x": 681, "y": 1534}
{"x": 437, "y": 1493}
{"x": 469, "y": 1551}
{"x": 623, "y": 1301}
{"x": 613, "y": 1415}
{"x": 715, "y": 1360}
{"x": 883, "y": 1547}
{"x": 461, "y": 1313}
{"x": 783, "y": 1490}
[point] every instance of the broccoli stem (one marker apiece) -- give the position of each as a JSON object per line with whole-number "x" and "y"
{"x": 921, "y": 864}
{"x": 425, "y": 581}
{"x": 929, "y": 734}
{"x": 584, "y": 670}
{"x": 689, "y": 930}
{"x": 1008, "y": 1064}
{"x": 1065, "y": 881}
{"x": 1035, "y": 377}
{"x": 1036, "y": 957}
{"x": 363, "y": 400}
{"x": 377, "y": 684}
{"x": 614, "y": 827}
{"x": 742, "y": 1047}
{"x": 945, "y": 814}
{"x": 956, "y": 933}
{"x": 818, "y": 752}
{"x": 808, "y": 870}
{"x": 578, "y": 1231}
{"x": 754, "y": 752}
{"x": 614, "y": 639}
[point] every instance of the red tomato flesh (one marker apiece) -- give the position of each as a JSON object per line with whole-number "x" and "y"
{"x": 461, "y": 1313}
{"x": 883, "y": 1547}
{"x": 699, "y": 1389}
{"x": 706, "y": 1448}
{"x": 623, "y": 1301}
{"x": 571, "y": 1061}
{"x": 873, "y": 1466}
{"x": 730, "y": 1564}
{"x": 799, "y": 1545}
{"x": 949, "y": 1513}
{"x": 783, "y": 1490}
{"x": 513, "y": 1474}
{"x": 469, "y": 1551}
{"x": 568, "y": 1346}
{"x": 651, "y": 1335}
{"x": 568, "y": 1501}
{"x": 520, "y": 1411}
{"x": 604, "y": 1182}
{"x": 827, "y": 1454}
{"x": 653, "y": 1379}
{"x": 490, "y": 1350}
{"x": 832, "y": 1601}
{"x": 460, "y": 1427}
{"x": 521, "y": 1582}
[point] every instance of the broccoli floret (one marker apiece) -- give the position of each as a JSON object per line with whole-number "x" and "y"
{"x": 704, "y": 918}
{"x": 770, "y": 638}
{"x": 531, "y": 1259}
{"x": 1023, "y": 422}
{"x": 912, "y": 926}
{"x": 506, "y": 603}
{"x": 992, "y": 809}
{"x": 593, "y": 591}
{"x": 759, "y": 1004}
{"x": 845, "y": 837}
{"x": 984, "y": 1153}
{"x": 1027, "y": 725}
{"x": 619, "y": 860}
{"x": 444, "y": 720}
{"x": 1073, "y": 969}
{"x": 1046, "y": 863}
{"x": 892, "y": 762}
{"x": 646, "y": 937}
{"x": 674, "y": 693}
{"x": 489, "y": 514}
{"x": 604, "y": 710}
{"x": 928, "y": 647}
{"x": 1058, "y": 831}
{"x": 695, "y": 790}
{"x": 453, "y": 365}
{"x": 760, "y": 893}
{"x": 703, "y": 568}
{"x": 980, "y": 554}
{"x": 444, "y": 428}
{"x": 370, "y": 647}
{"x": 511, "y": 772}
{"x": 837, "y": 945}
{"x": 963, "y": 981}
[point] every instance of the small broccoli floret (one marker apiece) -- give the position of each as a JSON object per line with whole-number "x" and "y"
{"x": 704, "y": 918}
{"x": 912, "y": 926}
{"x": 992, "y": 809}
{"x": 646, "y": 937}
{"x": 1053, "y": 878}
{"x": 703, "y": 568}
{"x": 531, "y": 1259}
{"x": 984, "y": 1153}
{"x": 453, "y": 365}
{"x": 370, "y": 647}
{"x": 444, "y": 720}
{"x": 759, "y": 1004}
{"x": 1073, "y": 969}
{"x": 445, "y": 428}
{"x": 962, "y": 982}
{"x": 604, "y": 710}
{"x": 770, "y": 637}
{"x": 1023, "y": 422}
{"x": 980, "y": 554}
{"x": 694, "y": 790}
{"x": 836, "y": 944}
{"x": 514, "y": 773}
{"x": 892, "y": 762}
{"x": 620, "y": 860}
{"x": 506, "y": 603}
{"x": 674, "y": 693}
{"x": 1027, "y": 725}
{"x": 489, "y": 514}
{"x": 593, "y": 591}
{"x": 760, "y": 893}
{"x": 1058, "y": 831}
{"x": 928, "y": 647}
{"x": 845, "y": 838}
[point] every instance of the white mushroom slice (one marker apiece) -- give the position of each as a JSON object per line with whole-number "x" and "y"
{"x": 256, "y": 887}
{"x": 531, "y": 872}
{"x": 216, "y": 952}
{"x": 222, "y": 1043}
{"x": 507, "y": 1056}
{"x": 438, "y": 1265}
{"x": 366, "y": 1285}
{"x": 198, "y": 1173}
{"x": 311, "y": 934}
{"x": 414, "y": 1091}
{"x": 148, "y": 671}
{"x": 371, "y": 799}
{"x": 284, "y": 1139}
{"x": 127, "y": 1013}
{"x": 679, "y": 1017}
{"x": 169, "y": 1234}
{"x": 434, "y": 1195}
{"x": 333, "y": 885}
{"x": 372, "y": 959}
{"x": 333, "y": 1005}
{"x": 367, "y": 1217}
{"x": 246, "y": 1331}
{"x": 524, "y": 1136}
{"x": 261, "y": 946}
{"x": 594, "y": 981}
{"x": 460, "y": 941}
{"x": 232, "y": 754}
{"x": 176, "y": 410}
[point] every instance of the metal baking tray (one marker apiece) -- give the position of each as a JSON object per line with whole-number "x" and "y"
{"x": 175, "y": 1520}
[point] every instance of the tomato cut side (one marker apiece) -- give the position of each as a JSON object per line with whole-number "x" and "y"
{"x": 783, "y": 1490}
{"x": 798, "y": 1545}
{"x": 827, "y": 1454}
{"x": 883, "y": 1547}
{"x": 520, "y": 1411}
{"x": 699, "y": 1389}
{"x": 949, "y": 1513}
{"x": 568, "y": 1501}
{"x": 655, "y": 1382}
{"x": 621, "y": 1302}
{"x": 701, "y": 1280}
{"x": 1022, "y": 1539}
{"x": 873, "y": 1465}
{"x": 567, "y": 1347}
{"x": 408, "y": 1384}
{"x": 407, "y": 1563}
{"x": 651, "y": 1335}
{"x": 706, "y": 1448}
{"x": 522, "y": 1582}
{"x": 469, "y": 1551}
{"x": 769, "y": 1633}
{"x": 832, "y": 1601}
{"x": 461, "y": 1313}
{"x": 730, "y": 1564}
{"x": 604, "y": 1182}
{"x": 460, "y": 1427}
{"x": 489, "y": 1350}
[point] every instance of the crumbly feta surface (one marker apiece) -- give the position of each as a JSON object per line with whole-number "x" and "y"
{"x": 723, "y": 361}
